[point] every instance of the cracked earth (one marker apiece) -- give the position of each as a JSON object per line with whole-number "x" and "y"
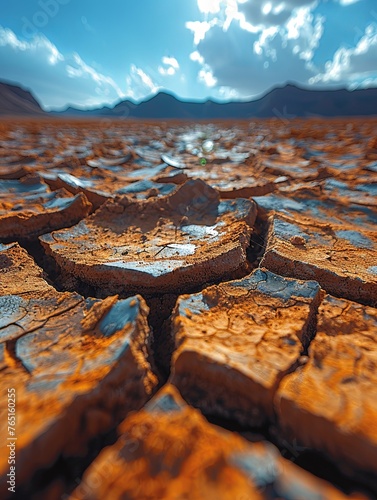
{"x": 189, "y": 311}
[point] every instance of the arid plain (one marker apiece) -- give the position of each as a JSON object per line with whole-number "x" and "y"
{"x": 188, "y": 310}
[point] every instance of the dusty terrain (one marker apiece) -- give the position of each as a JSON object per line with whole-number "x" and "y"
{"x": 188, "y": 311}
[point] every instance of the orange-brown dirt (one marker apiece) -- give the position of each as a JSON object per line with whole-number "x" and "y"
{"x": 342, "y": 369}
{"x": 65, "y": 397}
{"x": 168, "y": 450}
{"x": 232, "y": 264}
{"x": 236, "y": 341}
{"x": 161, "y": 245}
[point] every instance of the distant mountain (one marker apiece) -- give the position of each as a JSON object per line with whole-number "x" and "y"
{"x": 15, "y": 100}
{"x": 282, "y": 102}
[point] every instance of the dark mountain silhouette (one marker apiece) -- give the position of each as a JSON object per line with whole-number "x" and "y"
{"x": 15, "y": 100}
{"x": 284, "y": 102}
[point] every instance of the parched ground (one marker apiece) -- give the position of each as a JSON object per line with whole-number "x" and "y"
{"x": 188, "y": 310}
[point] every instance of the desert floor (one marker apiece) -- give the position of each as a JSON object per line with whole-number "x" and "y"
{"x": 188, "y": 310}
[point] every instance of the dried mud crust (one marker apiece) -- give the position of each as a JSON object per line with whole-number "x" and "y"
{"x": 235, "y": 342}
{"x": 19, "y": 274}
{"x": 341, "y": 258}
{"x": 317, "y": 175}
{"x": 100, "y": 185}
{"x": 330, "y": 404}
{"x": 28, "y": 208}
{"x": 168, "y": 450}
{"x": 77, "y": 366}
{"x": 172, "y": 244}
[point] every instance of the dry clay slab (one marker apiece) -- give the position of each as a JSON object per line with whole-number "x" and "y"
{"x": 237, "y": 340}
{"x": 100, "y": 188}
{"x": 19, "y": 274}
{"x": 341, "y": 258}
{"x": 161, "y": 245}
{"x": 169, "y": 451}
{"x": 76, "y": 366}
{"x": 28, "y": 208}
{"x": 330, "y": 404}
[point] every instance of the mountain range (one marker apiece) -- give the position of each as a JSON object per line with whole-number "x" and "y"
{"x": 16, "y": 101}
{"x": 284, "y": 102}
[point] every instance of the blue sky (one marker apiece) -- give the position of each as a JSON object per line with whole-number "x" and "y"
{"x": 88, "y": 53}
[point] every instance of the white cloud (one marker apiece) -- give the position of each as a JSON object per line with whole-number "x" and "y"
{"x": 39, "y": 44}
{"x": 206, "y": 76}
{"x": 246, "y": 59}
{"x": 354, "y": 66}
{"x": 84, "y": 70}
{"x": 306, "y": 31}
{"x": 209, "y": 6}
{"x": 228, "y": 93}
{"x": 348, "y": 2}
{"x": 146, "y": 79}
{"x": 55, "y": 79}
{"x": 171, "y": 61}
{"x": 199, "y": 28}
{"x": 258, "y": 15}
{"x": 166, "y": 71}
{"x": 196, "y": 57}
{"x": 139, "y": 84}
{"x": 171, "y": 66}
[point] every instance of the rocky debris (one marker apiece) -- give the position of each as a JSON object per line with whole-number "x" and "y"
{"x": 235, "y": 342}
{"x": 168, "y": 450}
{"x": 78, "y": 366}
{"x": 330, "y": 403}
{"x": 341, "y": 258}
{"x": 170, "y": 244}
{"x": 28, "y": 208}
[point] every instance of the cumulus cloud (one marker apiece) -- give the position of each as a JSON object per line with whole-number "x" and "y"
{"x": 206, "y": 76}
{"x": 200, "y": 28}
{"x": 209, "y": 6}
{"x": 171, "y": 61}
{"x": 353, "y": 66}
{"x": 245, "y": 59}
{"x": 253, "y": 71}
{"x": 196, "y": 57}
{"x": 56, "y": 79}
{"x": 259, "y": 15}
{"x": 170, "y": 66}
{"x": 226, "y": 93}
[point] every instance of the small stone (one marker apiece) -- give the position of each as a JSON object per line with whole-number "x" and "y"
{"x": 297, "y": 240}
